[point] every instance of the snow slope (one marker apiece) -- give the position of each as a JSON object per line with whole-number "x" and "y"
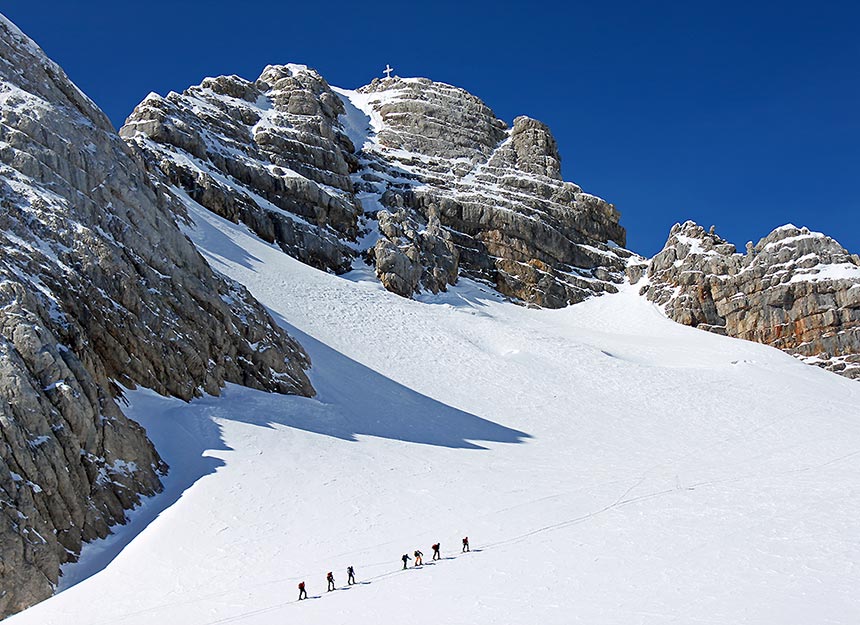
{"x": 609, "y": 466}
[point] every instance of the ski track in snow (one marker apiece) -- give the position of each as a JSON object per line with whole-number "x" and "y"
{"x": 608, "y": 465}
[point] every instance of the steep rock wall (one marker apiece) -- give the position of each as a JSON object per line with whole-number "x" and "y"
{"x": 795, "y": 289}
{"x": 98, "y": 287}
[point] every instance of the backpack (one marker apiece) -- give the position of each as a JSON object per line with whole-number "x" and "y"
{"x": 301, "y": 585}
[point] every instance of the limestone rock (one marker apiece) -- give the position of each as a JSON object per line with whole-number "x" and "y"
{"x": 269, "y": 154}
{"x": 439, "y": 152}
{"x": 532, "y": 149}
{"x": 413, "y": 254}
{"x": 796, "y": 290}
{"x": 433, "y": 187}
{"x": 98, "y": 287}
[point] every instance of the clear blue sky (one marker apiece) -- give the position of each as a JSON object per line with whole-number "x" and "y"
{"x": 741, "y": 114}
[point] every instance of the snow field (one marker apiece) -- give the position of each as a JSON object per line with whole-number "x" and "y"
{"x": 608, "y": 465}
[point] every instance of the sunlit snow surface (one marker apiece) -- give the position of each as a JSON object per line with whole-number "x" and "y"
{"x": 609, "y": 466}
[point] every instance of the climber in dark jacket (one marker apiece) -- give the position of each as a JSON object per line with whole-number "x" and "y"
{"x": 350, "y": 574}
{"x": 436, "y": 555}
{"x": 303, "y": 594}
{"x": 466, "y": 544}
{"x": 330, "y": 579}
{"x": 405, "y": 559}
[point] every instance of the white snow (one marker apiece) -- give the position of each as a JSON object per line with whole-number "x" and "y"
{"x": 694, "y": 244}
{"x": 787, "y": 241}
{"x": 360, "y": 122}
{"x": 59, "y": 385}
{"x": 609, "y": 466}
{"x": 827, "y": 271}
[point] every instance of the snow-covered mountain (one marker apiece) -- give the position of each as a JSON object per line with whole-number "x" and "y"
{"x": 610, "y": 465}
{"x": 425, "y": 183}
{"x": 98, "y": 288}
{"x": 418, "y": 177}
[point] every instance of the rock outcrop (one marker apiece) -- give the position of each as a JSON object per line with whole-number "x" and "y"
{"x": 437, "y": 157}
{"x": 98, "y": 288}
{"x": 418, "y": 177}
{"x": 796, "y": 290}
{"x": 269, "y": 154}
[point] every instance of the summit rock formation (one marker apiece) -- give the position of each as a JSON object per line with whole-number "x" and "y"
{"x": 419, "y": 178}
{"x": 795, "y": 289}
{"x": 99, "y": 289}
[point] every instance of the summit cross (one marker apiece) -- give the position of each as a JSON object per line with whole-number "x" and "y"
{"x": 387, "y": 71}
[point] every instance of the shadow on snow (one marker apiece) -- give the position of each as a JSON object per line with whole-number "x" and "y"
{"x": 184, "y": 440}
{"x": 353, "y": 400}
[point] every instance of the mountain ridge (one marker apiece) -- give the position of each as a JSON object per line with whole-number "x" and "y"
{"x": 441, "y": 188}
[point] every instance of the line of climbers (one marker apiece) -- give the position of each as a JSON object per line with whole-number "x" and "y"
{"x": 350, "y": 571}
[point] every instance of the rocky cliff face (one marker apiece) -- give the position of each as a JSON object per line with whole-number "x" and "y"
{"x": 269, "y": 154}
{"x": 489, "y": 198}
{"x": 796, "y": 290}
{"x": 98, "y": 287}
{"x": 419, "y": 178}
